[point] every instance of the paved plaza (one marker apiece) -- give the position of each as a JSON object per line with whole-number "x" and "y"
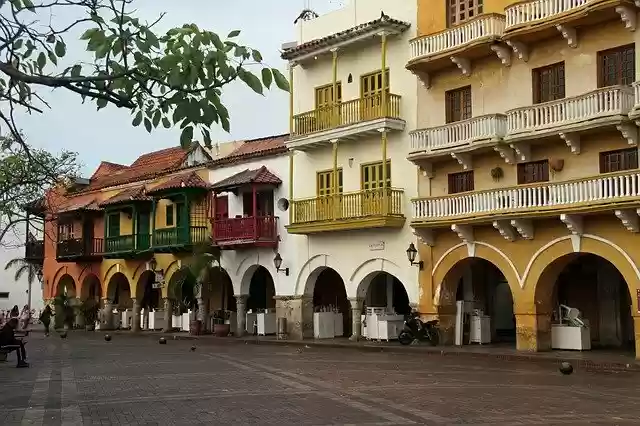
{"x": 135, "y": 381}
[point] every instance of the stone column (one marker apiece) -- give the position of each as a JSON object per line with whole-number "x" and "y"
{"x": 636, "y": 332}
{"x": 533, "y": 332}
{"x": 107, "y": 314}
{"x": 356, "y": 319}
{"x": 241, "y": 315}
{"x": 135, "y": 326}
{"x": 78, "y": 311}
{"x": 298, "y": 310}
{"x": 168, "y": 311}
{"x": 203, "y": 313}
{"x": 145, "y": 319}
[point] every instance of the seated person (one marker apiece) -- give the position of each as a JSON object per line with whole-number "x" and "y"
{"x": 8, "y": 338}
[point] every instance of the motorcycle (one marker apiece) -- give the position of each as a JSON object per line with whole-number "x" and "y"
{"x": 415, "y": 329}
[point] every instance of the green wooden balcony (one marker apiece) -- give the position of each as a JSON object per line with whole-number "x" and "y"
{"x": 179, "y": 238}
{"x": 126, "y": 246}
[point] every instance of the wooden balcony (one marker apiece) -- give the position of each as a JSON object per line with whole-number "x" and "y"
{"x": 603, "y": 192}
{"x": 456, "y": 46}
{"x": 348, "y": 211}
{"x": 244, "y": 232}
{"x": 460, "y": 135}
{"x": 78, "y": 249}
{"x": 127, "y": 246}
{"x": 608, "y": 106}
{"x": 346, "y": 120}
{"x": 176, "y": 239}
{"x": 34, "y": 251}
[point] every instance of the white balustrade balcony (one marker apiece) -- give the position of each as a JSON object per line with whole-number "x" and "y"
{"x": 593, "y": 191}
{"x": 484, "y": 128}
{"x": 487, "y": 26}
{"x": 600, "y": 103}
{"x": 526, "y": 13}
{"x": 635, "y": 112}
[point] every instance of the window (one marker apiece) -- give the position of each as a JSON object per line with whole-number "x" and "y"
{"x": 65, "y": 231}
{"x": 532, "y": 172}
{"x": 616, "y": 161}
{"x": 180, "y": 214}
{"x": 113, "y": 225}
{"x": 169, "y": 215}
{"x": 371, "y": 84}
{"x": 459, "y": 11}
{"x": 324, "y": 95}
{"x": 371, "y": 175}
{"x": 325, "y": 182}
{"x": 458, "y": 104}
{"x": 460, "y": 182}
{"x": 548, "y": 83}
{"x": 617, "y": 66}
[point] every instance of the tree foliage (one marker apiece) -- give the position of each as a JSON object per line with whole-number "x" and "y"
{"x": 22, "y": 267}
{"x": 165, "y": 79}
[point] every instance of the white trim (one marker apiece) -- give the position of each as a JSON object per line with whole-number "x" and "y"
{"x": 369, "y": 268}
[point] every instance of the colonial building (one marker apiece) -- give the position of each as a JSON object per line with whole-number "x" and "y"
{"x": 527, "y": 146}
{"x": 352, "y": 104}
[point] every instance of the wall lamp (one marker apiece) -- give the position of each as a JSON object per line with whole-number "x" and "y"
{"x": 411, "y": 255}
{"x": 277, "y": 262}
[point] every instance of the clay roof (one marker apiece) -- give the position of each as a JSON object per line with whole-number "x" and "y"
{"x": 184, "y": 180}
{"x": 77, "y": 204}
{"x": 378, "y": 24}
{"x": 254, "y": 148}
{"x": 106, "y": 168}
{"x": 136, "y": 193}
{"x": 247, "y": 177}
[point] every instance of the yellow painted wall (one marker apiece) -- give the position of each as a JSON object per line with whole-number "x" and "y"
{"x": 432, "y": 14}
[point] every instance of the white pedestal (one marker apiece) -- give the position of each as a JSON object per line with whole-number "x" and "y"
{"x": 251, "y": 319}
{"x": 156, "y": 320}
{"x": 186, "y": 321}
{"x": 390, "y": 326}
{"x": 480, "y": 331}
{"x": 126, "y": 319}
{"x": 98, "y": 325}
{"x": 323, "y": 325}
{"x": 363, "y": 322}
{"x": 338, "y": 324}
{"x": 266, "y": 323}
{"x": 176, "y": 321}
{"x": 570, "y": 338}
{"x": 233, "y": 320}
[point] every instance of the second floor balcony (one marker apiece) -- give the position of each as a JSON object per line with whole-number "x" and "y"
{"x": 127, "y": 246}
{"x": 34, "y": 251}
{"x": 377, "y": 208}
{"x": 347, "y": 119}
{"x": 179, "y": 238}
{"x": 79, "y": 249}
{"x": 258, "y": 231}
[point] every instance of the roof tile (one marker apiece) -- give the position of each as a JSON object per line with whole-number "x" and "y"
{"x": 184, "y": 180}
{"x": 253, "y": 148}
{"x": 247, "y": 177}
{"x": 136, "y": 193}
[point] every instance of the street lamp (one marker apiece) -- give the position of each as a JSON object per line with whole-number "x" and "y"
{"x": 277, "y": 262}
{"x": 153, "y": 264}
{"x": 411, "y": 255}
{"x": 39, "y": 274}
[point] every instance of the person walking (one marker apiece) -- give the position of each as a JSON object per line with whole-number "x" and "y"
{"x": 25, "y": 318}
{"x": 15, "y": 312}
{"x": 45, "y": 319}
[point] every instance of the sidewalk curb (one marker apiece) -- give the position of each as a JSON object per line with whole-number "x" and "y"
{"x": 578, "y": 363}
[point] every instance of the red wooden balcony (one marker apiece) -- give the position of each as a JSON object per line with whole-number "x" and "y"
{"x": 259, "y": 231}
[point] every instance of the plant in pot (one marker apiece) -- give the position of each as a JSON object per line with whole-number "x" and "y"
{"x": 220, "y": 328}
{"x": 497, "y": 173}
{"x": 89, "y": 309}
{"x": 63, "y": 311}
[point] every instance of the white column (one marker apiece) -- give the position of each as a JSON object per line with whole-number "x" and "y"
{"x": 241, "y": 315}
{"x": 356, "y": 320}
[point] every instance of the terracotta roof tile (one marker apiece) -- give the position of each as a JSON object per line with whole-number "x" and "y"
{"x": 255, "y": 148}
{"x": 247, "y": 177}
{"x": 136, "y": 193}
{"x": 383, "y": 22}
{"x": 77, "y": 204}
{"x": 106, "y": 168}
{"x": 184, "y": 180}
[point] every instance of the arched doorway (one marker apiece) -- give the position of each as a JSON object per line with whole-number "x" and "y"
{"x": 119, "y": 294}
{"x": 91, "y": 301}
{"x": 221, "y": 301}
{"x": 597, "y": 289}
{"x": 331, "y": 308}
{"x": 150, "y": 301}
{"x": 261, "y": 315}
{"x": 476, "y": 304}
{"x": 183, "y": 289}
{"x": 65, "y": 302}
{"x": 66, "y": 286}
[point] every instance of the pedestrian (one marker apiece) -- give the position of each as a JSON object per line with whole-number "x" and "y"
{"x": 15, "y": 312}
{"x": 8, "y": 338}
{"x": 2, "y": 318}
{"x": 45, "y": 319}
{"x": 25, "y": 318}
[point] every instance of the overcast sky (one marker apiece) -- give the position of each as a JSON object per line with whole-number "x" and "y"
{"x": 108, "y": 134}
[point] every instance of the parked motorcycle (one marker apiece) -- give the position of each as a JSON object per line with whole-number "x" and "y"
{"x": 415, "y": 329}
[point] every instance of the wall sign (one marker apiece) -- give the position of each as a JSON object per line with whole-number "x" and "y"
{"x": 378, "y": 246}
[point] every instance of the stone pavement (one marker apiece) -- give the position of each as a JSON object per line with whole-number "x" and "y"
{"x": 133, "y": 380}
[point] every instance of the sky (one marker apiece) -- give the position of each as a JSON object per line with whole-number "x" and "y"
{"x": 108, "y": 135}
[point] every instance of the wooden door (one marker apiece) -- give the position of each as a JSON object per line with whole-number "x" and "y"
{"x": 325, "y": 109}
{"x": 370, "y": 95}
{"x": 372, "y": 187}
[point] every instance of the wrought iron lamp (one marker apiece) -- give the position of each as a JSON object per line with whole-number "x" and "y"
{"x": 277, "y": 262}
{"x": 412, "y": 252}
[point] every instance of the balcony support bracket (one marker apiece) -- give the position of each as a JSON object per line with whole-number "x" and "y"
{"x": 503, "y": 53}
{"x": 520, "y": 49}
{"x": 523, "y": 151}
{"x": 628, "y": 16}
{"x": 575, "y": 226}
{"x": 506, "y": 153}
{"x": 630, "y": 132}
{"x": 465, "y": 233}
{"x": 505, "y": 229}
{"x": 573, "y": 141}
{"x": 425, "y": 236}
{"x": 524, "y": 228}
{"x": 463, "y": 63}
{"x": 423, "y": 77}
{"x": 629, "y": 219}
{"x": 569, "y": 34}
{"x": 426, "y": 168}
{"x": 463, "y": 159}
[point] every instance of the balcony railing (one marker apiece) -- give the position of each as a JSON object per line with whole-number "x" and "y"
{"x": 636, "y": 95}
{"x": 598, "y": 190}
{"x": 262, "y": 228}
{"x": 607, "y": 101}
{"x": 486, "y": 127}
{"x": 525, "y": 13}
{"x": 346, "y": 113}
{"x": 180, "y": 236}
{"x": 80, "y": 247}
{"x": 120, "y": 244}
{"x": 354, "y": 205}
{"x": 34, "y": 251}
{"x": 484, "y": 26}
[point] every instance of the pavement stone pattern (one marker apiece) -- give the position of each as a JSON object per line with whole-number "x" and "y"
{"x": 132, "y": 380}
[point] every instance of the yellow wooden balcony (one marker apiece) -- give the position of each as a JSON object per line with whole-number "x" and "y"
{"x": 377, "y": 208}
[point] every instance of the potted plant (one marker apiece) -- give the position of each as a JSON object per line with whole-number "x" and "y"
{"x": 497, "y": 173}
{"x": 89, "y": 309}
{"x": 221, "y": 329}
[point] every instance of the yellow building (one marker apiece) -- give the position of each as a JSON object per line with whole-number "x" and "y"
{"x": 526, "y": 143}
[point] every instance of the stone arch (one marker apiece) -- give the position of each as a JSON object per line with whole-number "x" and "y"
{"x": 362, "y": 276}
{"x": 309, "y": 272}
{"x": 91, "y": 287}
{"x": 259, "y": 284}
{"x": 246, "y": 275}
{"x": 119, "y": 291}
{"x": 546, "y": 265}
{"x": 381, "y": 289}
{"x": 66, "y": 285}
{"x": 116, "y": 268}
{"x": 149, "y": 297}
{"x": 219, "y": 291}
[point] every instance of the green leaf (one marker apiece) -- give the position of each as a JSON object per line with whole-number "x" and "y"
{"x": 234, "y": 33}
{"x": 267, "y": 77}
{"x": 156, "y": 118}
{"x": 17, "y": 44}
{"x": 137, "y": 119}
{"x": 101, "y": 103}
{"x": 42, "y": 60}
{"x": 206, "y": 135}
{"x": 29, "y": 5}
{"x": 250, "y": 80}
{"x": 280, "y": 79}
{"x": 186, "y": 137}
{"x": 166, "y": 123}
{"x": 89, "y": 33}
{"x": 60, "y": 49}
{"x": 257, "y": 56}
{"x": 147, "y": 124}
{"x": 52, "y": 58}
{"x": 75, "y": 70}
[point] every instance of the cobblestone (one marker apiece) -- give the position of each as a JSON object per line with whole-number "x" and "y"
{"x": 132, "y": 380}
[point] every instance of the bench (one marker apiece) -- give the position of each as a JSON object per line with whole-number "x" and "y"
{"x": 5, "y": 350}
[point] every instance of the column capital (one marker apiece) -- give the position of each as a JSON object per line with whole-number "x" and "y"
{"x": 334, "y": 50}
{"x": 334, "y": 141}
{"x": 241, "y": 298}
